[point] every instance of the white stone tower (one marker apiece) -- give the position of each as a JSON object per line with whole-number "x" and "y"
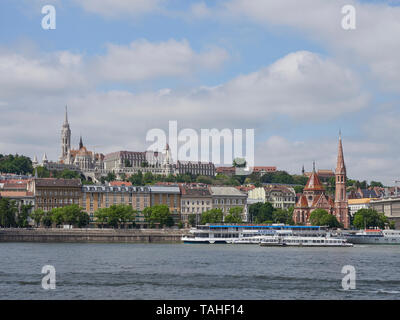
{"x": 65, "y": 138}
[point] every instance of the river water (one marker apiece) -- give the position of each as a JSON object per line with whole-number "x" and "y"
{"x": 183, "y": 271}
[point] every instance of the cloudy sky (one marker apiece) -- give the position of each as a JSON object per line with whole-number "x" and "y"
{"x": 287, "y": 70}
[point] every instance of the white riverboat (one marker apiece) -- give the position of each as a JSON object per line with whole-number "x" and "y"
{"x": 374, "y": 236}
{"x": 244, "y": 233}
{"x": 286, "y": 238}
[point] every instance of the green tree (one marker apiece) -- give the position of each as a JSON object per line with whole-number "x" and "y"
{"x": 148, "y": 178}
{"x": 8, "y": 212}
{"x": 376, "y": 184}
{"x": 158, "y": 214}
{"x": 369, "y": 218}
{"x": 37, "y": 216}
{"x": 42, "y": 172}
{"x": 298, "y": 189}
{"x": 282, "y": 216}
{"x": 204, "y": 179}
{"x": 101, "y": 216}
{"x": 72, "y": 213}
{"x": 83, "y": 219}
{"x": 47, "y": 219}
{"x": 136, "y": 179}
{"x": 111, "y": 176}
{"x": 212, "y": 216}
{"x": 321, "y": 217}
{"x": 234, "y": 216}
{"x": 192, "y": 220}
{"x": 15, "y": 164}
{"x": 68, "y": 174}
{"x": 57, "y": 216}
{"x": 23, "y": 215}
{"x": 261, "y": 212}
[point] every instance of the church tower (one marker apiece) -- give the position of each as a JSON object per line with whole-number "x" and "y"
{"x": 65, "y": 137}
{"x": 341, "y": 204}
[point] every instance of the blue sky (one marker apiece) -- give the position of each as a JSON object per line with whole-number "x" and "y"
{"x": 109, "y": 66}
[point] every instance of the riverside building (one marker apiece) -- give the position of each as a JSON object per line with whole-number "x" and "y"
{"x": 225, "y": 198}
{"x": 194, "y": 201}
{"x": 314, "y": 196}
{"x": 279, "y": 196}
{"x": 55, "y": 193}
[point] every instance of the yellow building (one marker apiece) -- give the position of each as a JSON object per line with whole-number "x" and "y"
{"x": 97, "y": 197}
{"x": 357, "y": 204}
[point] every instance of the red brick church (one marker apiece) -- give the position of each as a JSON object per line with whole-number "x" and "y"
{"x": 314, "y": 196}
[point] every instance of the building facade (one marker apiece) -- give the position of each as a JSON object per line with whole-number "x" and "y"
{"x": 194, "y": 201}
{"x": 390, "y": 207}
{"x": 279, "y": 196}
{"x": 55, "y": 193}
{"x": 168, "y": 195}
{"x": 314, "y": 196}
{"x": 195, "y": 168}
{"x": 358, "y": 204}
{"x": 96, "y": 197}
{"x": 225, "y": 198}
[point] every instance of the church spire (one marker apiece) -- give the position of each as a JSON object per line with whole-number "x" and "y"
{"x": 80, "y": 143}
{"x": 66, "y": 115}
{"x": 340, "y": 166}
{"x": 341, "y": 204}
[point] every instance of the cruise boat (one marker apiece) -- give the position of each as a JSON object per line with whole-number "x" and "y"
{"x": 374, "y": 236}
{"x": 285, "y": 238}
{"x": 244, "y": 233}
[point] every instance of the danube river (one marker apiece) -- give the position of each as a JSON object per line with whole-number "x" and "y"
{"x": 180, "y": 271}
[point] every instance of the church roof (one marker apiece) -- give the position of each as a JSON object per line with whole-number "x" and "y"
{"x": 340, "y": 166}
{"x": 302, "y": 203}
{"x": 313, "y": 183}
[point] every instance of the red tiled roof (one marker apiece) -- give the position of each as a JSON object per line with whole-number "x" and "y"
{"x": 314, "y": 184}
{"x": 49, "y": 182}
{"x": 302, "y": 203}
{"x": 120, "y": 184}
{"x": 15, "y": 194}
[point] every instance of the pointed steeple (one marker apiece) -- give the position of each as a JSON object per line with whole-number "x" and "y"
{"x": 340, "y": 166}
{"x": 44, "y": 159}
{"x": 80, "y": 143}
{"x": 313, "y": 183}
{"x": 66, "y": 115}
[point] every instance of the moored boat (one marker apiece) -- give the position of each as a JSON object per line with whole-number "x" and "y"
{"x": 374, "y": 236}
{"x": 245, "y": 233}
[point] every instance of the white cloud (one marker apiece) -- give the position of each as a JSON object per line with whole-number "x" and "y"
{"x": 302, "y": 86}
{"x": 63, "y": 71}
{"x": 374, "y": 42}
{"x": 145, "y": 60}
{"x": 364, "y": 160}
{"x": 118, "y": 8}
{"x": 41, "y": 74}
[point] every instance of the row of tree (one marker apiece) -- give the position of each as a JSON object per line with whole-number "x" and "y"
{"x": 217, "y": 216}
{"x": 12, "y": 215}
{"x": 116, "y": 216}
{"x": 265, "y": 213}
{"x": 71, "y": 215}
{"x": 15, "y": 164}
